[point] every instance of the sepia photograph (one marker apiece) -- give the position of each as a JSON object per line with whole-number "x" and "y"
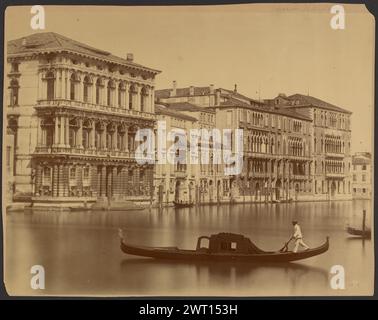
{"x": 188, "y": 151}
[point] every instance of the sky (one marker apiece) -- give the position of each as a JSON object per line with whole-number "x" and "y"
{"x": 264, "y": 49}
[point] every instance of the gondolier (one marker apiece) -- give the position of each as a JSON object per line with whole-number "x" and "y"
{"x": 298, "y": 238}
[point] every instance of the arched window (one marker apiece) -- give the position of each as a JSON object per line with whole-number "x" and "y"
{"x": 143, "y": 98}
{"x": 109, "y": 95}
{"x": 86, "y": 88}
{"x": 73, "y": 81}
{"x": 86, "y": 132}
{"x": 131, "y": 96}
{"x": 14, "y": 92}
{"x": 50, "y": 81}
{"x": 73, "y": 127}
{"x": 98, "y": 90}
{"x": 121, "y": 95}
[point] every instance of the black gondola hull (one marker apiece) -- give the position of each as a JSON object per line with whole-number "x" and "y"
{"x": 194, "y": 255}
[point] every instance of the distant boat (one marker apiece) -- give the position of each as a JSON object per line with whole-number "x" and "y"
{"x": 222, "y": 247}
{"x": 364, "y": 232}
{"x": 183, "y": 204}
{"x": 359, "y": 232}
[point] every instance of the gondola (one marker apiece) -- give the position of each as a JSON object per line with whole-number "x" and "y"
{"x": 360, "y": 233}
{"x": 183, "y": 204}
{"x": 222, "y": 247}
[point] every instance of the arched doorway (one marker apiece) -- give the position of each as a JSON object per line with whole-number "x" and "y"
{"x": 296, "y": 188}
{"x": 177, "y": 191}
{"x": 218, "y": 190}
{"x": 333, "y": 188}
{"x": 257, "y": 190}
{"x": 278, "y": 189}
{"x": 191, "y": 191}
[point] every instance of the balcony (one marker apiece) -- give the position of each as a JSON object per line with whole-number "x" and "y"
{"x": 87, "y": 106}
{"x": 335, "y": 175}
{"x": 95, "y": 153}
{"x": 334, "y": 155}
{"x": 299, "y": 177}
{"x": 181, "y": 174}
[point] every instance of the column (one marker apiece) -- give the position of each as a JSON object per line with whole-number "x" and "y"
{"x": 115, "y": 182}
{"x": 137, "y": 98}
{"x": 67, "y": 131}
{"x": 60, "y": 181}
{"x": 79, "y": 142}
{"x": 103, "y": 181}
{"x": 127, "y": 87}
{"x": 58, "y": 84}
{"x": 39, "y": 132}
{"x": 61, "y": 133}
{"x": 115, "y": 94}
{"x": 56, "y": 131}
{"x": 40, "y": 85}
{"x": 115, "y": 137}
{"x": 126, "y": 140}
{"x": 93, "y": 92}
{"x": 68, "y": 86}
{"x": 55, "y": 181}
{"x": 92, "y": 135}
{"x": 152, "y": 100}
{"x": 64, "y": 84}
{"x": 65, "y": 181}
{"x": 80, "y": 88}
{"x": 103, "y": 137}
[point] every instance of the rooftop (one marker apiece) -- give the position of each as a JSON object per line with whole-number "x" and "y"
{"x": 163, "y": 110}
{"x": 47, "y": 42}
{"x": 305, "y": 100}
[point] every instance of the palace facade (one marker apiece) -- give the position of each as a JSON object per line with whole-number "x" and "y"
{"x": 73, "y": 111}
{"x": 331, "y": 138}
{"x": 291, "y": 151}
{"x": 72, "y": 115}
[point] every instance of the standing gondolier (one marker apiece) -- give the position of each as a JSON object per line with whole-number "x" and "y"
{"x": 297, "y": 236}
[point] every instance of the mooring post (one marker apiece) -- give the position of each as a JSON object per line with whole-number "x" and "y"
{"x": 363, "y": 221}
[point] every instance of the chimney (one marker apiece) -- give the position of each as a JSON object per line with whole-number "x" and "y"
{"x": 236, "y": 88}
{"x": 211, "y": 95}
{"x": 191, "y": 91}
{"x": 174, "y": 88}
{"x": 217, "y": 98}
{"x": 130, "y": 57}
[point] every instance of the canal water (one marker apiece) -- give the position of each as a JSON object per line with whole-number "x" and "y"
{"x": 81, "y": 256}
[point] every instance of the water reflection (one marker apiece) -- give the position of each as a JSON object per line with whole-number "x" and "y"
{"x": 81, "y": 254}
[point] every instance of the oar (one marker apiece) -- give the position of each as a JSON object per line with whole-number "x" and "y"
{"x": 285, "y": 246}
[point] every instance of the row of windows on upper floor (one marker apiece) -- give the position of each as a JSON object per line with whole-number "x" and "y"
{"x": 105, "y": 67}
{"x": 110, "y": 90}
{"x": 275, "y": 121}
{"x": 331, "y": 119}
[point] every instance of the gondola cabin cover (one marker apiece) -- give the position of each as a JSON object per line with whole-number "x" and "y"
{"x": 227, "y": 243}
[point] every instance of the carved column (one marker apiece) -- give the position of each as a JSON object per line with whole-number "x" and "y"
{"x": 61, "y": 131}
{"x": 126, "y": 139}
{"x": 115, "y": 138}
{"x": 138, "y": 98}
{"x": 55, "y": 181}
{"x": 92, "y": 135}
{"x": 39, "y": 132}
{"x": 79, "y": 142}
{"x": 56, "y": 131}
{"x": 127, "y": 88}
{"x": 67, "y": 131}
{"x": 40, "y": 86}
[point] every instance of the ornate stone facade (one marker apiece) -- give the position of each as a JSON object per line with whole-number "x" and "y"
{"x": 82, "y": 121}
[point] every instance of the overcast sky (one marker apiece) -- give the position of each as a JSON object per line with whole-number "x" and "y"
{"x": 264, "y": 49}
